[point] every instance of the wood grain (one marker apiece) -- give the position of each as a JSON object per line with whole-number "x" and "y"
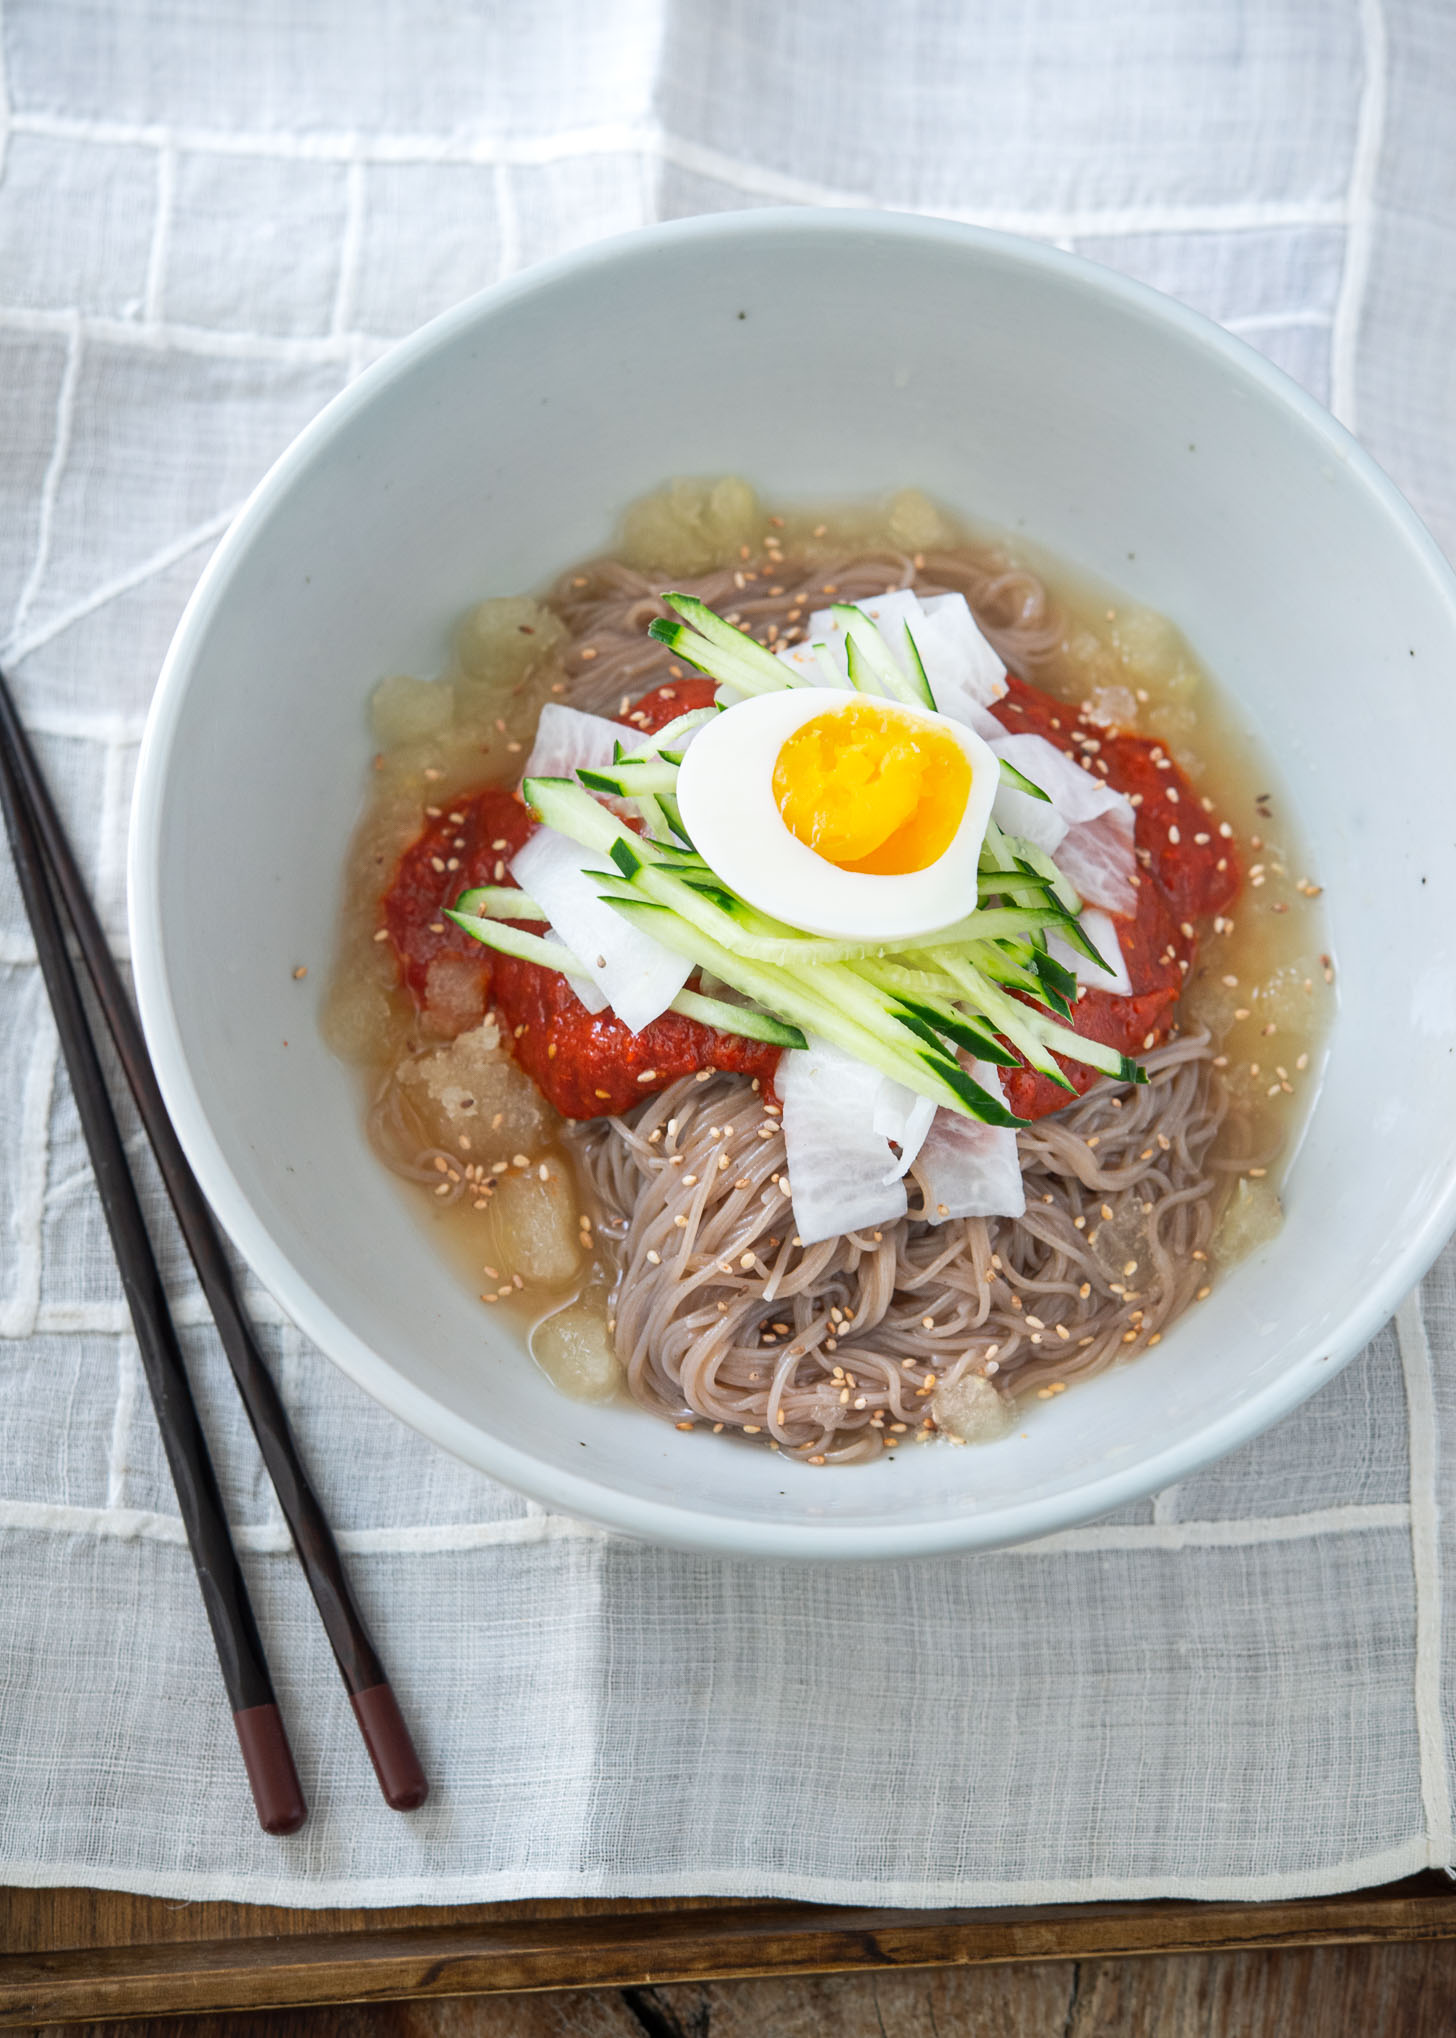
{"x": 1325, "y": 1992}
{"x": 88, "y": 1955}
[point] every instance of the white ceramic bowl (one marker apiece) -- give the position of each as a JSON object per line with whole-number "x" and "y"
{"x": 825, "y": 355}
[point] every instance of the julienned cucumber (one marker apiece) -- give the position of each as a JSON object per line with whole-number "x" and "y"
{"x": 499, "y": 902}
{"x": 792, "y": 975}
{"x": 873, "y": 666}
{"x": 715, "y": 1012}
{"x": 907, "y": 1006}
{"x": 1020, "y": 783}
{"x": 728, "y": 655}
{"x": 927, "y": 1071}
{"x": 744, "y": 1019}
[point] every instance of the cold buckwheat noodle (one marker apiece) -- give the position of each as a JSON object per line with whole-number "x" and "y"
{"x": 720, "y": 1315}
{"x": 840, "y": 1349}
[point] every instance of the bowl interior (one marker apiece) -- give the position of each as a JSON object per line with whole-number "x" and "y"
{"x": 824, "y": 356}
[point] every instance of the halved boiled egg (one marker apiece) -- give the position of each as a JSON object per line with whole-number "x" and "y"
{"x": 841, "y": 813}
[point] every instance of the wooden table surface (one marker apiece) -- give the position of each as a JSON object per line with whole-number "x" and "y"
{"x": 1392, "y": 1991}
{"x": 1374, "y": 1964}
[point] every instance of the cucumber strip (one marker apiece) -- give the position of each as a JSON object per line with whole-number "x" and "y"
{"x": 1109, "y": 1061}
{"x": 1053, "y": 996}
{"x": 1003, "y": 968}
{"x": 862, "y": 676}
{"x": 1010, "y": 1018}
{"x": 715, "y": 1012}
{"x": 904, "y": 980}
{"x": 499, "y": 902}
{"x": 717, "y": 648}
{"x": 524, "y": 947}
{"x": 1015, "y": 877}
{"x": 570, "y": 809}
{"x": 874, "y": 651}
{"x": 670, "y": 807}
{"x": 714, "y": 660}
{"x": 928, "y": 1073}
{"x": 965, "y": 1032}
{"x": 919, "y": 678}
{"x": 979, "y": 1103}
{"x": 1055, "y": 975}
{"x": 1019, "y": 782}
{"x": 661, "y": 741}
{"x": 831, "y": 672}
{"x": 873, "y": 667}
{"x": 998, "y": 880}
{"x": 628, "y": 862}
{"x": 630, "y": 779}
{"x": 1038, "y": 864}
{"x": 1075, "y": 933}
{"x": 1053, "y": 1038}
{"x": 741, "y": 1019}
{"x": 654, "y": 819}
{"x": 688, "y": 861}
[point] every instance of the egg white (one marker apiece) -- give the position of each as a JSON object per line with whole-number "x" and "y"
{"x": 725, "y": 791}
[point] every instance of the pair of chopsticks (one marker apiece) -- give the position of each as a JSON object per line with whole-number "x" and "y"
{"x": 53, "y": 891}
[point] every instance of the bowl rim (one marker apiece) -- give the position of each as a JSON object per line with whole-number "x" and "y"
{"x": 680, "y": 1524}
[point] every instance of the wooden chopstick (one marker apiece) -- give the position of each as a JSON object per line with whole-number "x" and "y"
{"x": 44, "y": 859}
{"x": 266, "y": 1753}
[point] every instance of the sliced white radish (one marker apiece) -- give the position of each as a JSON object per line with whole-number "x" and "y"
{"x": 586, "y": 991}
{"x": 970, "y": 664}
{"x": 637, "y": 976}
{"x": 967, "y": 1169}
{"x": 1087, "y": 827}
{"x": 904, "y": 1117}
{"x": 1101, "y": 930}
{"x": 838, "y": 1161}
{"x": 1098, "y": 856}
{"x": 964, "y": 672}
{"x": 566, "y": 739}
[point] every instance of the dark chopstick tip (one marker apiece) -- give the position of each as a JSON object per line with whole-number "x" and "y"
{"x": 391, "y": 1750}
{"x": 268, "y": 1760}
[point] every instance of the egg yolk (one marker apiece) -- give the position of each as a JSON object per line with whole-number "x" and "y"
{"x": 872, "y": 790}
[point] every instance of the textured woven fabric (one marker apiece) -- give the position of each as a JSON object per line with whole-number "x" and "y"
{"x": 212, "y": 214}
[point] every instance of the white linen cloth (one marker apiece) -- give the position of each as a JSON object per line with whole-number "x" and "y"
{"x": 210, "y": 217}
